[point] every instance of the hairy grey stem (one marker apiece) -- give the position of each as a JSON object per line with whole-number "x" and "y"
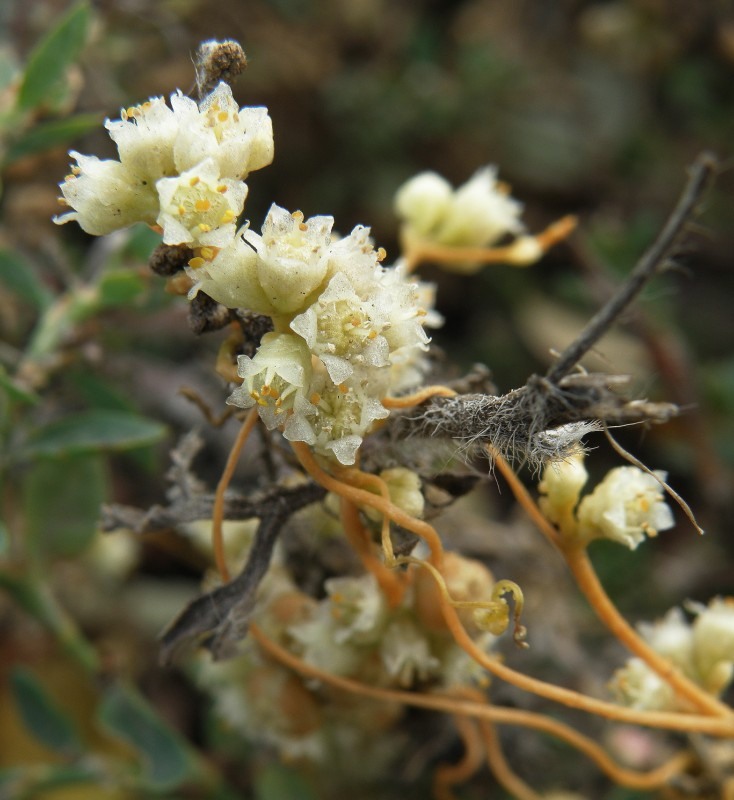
{"x": 651, "y": 263}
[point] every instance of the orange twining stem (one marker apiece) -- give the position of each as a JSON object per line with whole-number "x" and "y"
{"x": 420, "y": 252}
{"x": 588, "y": 582}
{"x": 716, "y": 726}
{"x": 482, "y": 711}
{"x": 391, "y": 583}
{"x": 410, "y": 400}
{"x": 218, "y": 511}
{"x": 362, "y": 497}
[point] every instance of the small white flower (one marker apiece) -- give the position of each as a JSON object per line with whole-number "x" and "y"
{"x": 199, "y": 206}
{"x": 292, "y": 258}
{"x": 423, "y": 202}
{"x": 561, "y": 486}
{"x": 231, "y": 277}
{"x": 406, "y": 653}
{"x": 358, "y": 608}
{"x": 275, "y": 380}
{"x": 345, "y": 413}
{"x": 635, "y": 685}
{"x": 344, "y": 330}
{"x": 146, "y": 135}
{"x": 240, "y": 140}
{"x": 671, "y": 637}
{"x": 713, "y": 643}
{"x": 478, "y": 213}
{"x": 624, "y": 507}
{"x": 105, "y": 196}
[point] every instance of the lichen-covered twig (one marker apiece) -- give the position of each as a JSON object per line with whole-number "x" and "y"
{"x": 220, "y": 618}
{"x": 652, "y": 263}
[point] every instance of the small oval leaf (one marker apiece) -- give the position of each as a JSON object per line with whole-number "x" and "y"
{"x": 41, "y": 716}
{"x": 51, "y": 56}
{"x": 93, "y": 432}
{"x": 62, "y": 498}
{"x": 167, "y": 758}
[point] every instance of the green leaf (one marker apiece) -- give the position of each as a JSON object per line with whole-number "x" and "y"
{"x": 62, "y": 498}
{"x": 50, "y": 58}
{"x": 17, "y": 394}
{"x": 42, "y": 716}
{"x": 4, "y": 540}
{"x": 21, "y": 279}
{"x": 276, "y": 781}
{"x": 141, "y": 243}
{"x": 168, "y": 760}
{"x": 92, "y": 432}
{"x": 120, "y": 287}
{"x": 52, "y": 134}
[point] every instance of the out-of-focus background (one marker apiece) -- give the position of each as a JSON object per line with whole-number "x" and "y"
{"x": 592, "y": 108}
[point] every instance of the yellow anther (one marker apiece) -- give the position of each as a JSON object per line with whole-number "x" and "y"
{"x": 342, "y": 387}
{"x": 302, "y": 226}
{"x": 265, "y": 391}
{"x": 62, "y": 201}
{"x": 70, "y": 177}
{"x": 279, "y": 402}
{"x": 181, "y": 210}
{"x": 315, "y": 398}
{"x": 262, "y": 402}
{"x": 228, "y": 216}
{"x": 222, "y": 116}
{"x": 222, "y": 188}
{"x": 381, "y": 254}
{"x": 204, "y": 228}
{"x": 207, "y": 253}
{"x": 193, "y": 181}
{"x": 298, "y": 216}
{"x": 372, "y": 334}
{"x": 202, "y": 204}
{"x": 76, "y": 170}
{"x": 196, "y": 262}
{"x": 421, "y": 312}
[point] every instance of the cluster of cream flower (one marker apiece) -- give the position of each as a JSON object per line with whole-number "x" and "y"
{"x": 477, "y": 214}
{"x": 347, "y": 331}
{"x": 182, "y": 168}
{"x": 352, "y": 632}
{"x": 624, "y": 507}
{"x": 702, "y": 649}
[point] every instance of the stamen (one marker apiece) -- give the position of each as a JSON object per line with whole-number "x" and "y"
{"x": 193, "y": 181}
{"x": 196, "y": 263}
{"x": 202, "y": 204}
